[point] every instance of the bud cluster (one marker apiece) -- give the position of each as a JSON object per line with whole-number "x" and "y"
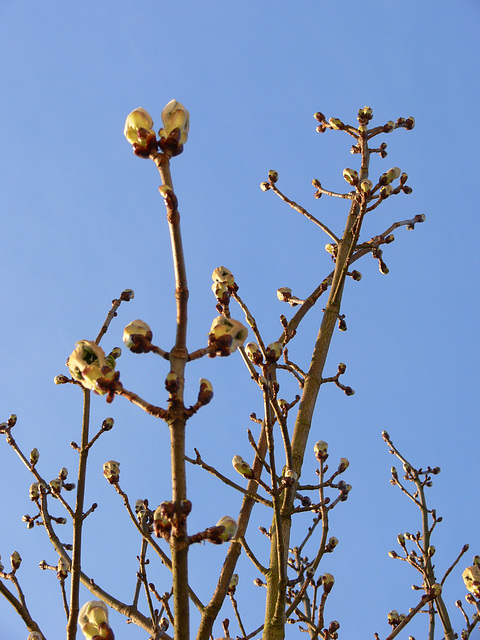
{"x": 172, "y": 136}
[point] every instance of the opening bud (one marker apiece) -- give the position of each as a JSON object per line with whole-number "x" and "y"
{"x": 175, "y": 116}
{"x": 471, "y": 578}
{"x": 89, "y": 365}
{"x": 328, "y": 581}
{"x": 284, "y": 294}
{"x": 230, "y": 528}
{"x": 138, "y": 126}
{"x": 242, "y": 467}
{"x": 224, "y": 275}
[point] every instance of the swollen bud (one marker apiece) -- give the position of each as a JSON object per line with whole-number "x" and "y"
{"x": 230, "y": 528}
{"x": 111, "y": 471}
{"x": 242, "y": 467}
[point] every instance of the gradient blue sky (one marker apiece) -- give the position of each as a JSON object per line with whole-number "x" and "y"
{"x": 82, "y": 220}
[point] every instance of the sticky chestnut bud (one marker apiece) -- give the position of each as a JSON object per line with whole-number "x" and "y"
{"x": 272, "y": 176}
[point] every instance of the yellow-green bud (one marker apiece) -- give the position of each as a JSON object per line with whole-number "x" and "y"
{"x": 336, "y": 123}
{"x": 284, "y": 294}
{"x": 34, "y": 491}
{"x": 273, "y": 175}
{"x": 223, "y": 275}
{"x": 471, "y": 578}
{"x": 135, "y": 334}
{"x": 344, "y": 464}
{"x": 242, "y": 467}
{"x": 392, "y": 617}
{"x": 264, "y": 186}
{"x": 328, "y": 581}
{"x": 92, "y": 616}
{"x": 15, "y": 560}
{"x": 34, "y": 456}
{"x": 230, "y": 528}
{"x": 233, "y": 581}
{"x": 62, "y": 568}
{"x": 175, "y": 116}
{"x": 351, "y": 176}
{"x": 330, "y": 248}
{"x": 136, "y": 121}
{"x": 366, "y": 185}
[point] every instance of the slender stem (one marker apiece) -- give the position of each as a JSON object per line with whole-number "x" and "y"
{"x": 78, "y": 521}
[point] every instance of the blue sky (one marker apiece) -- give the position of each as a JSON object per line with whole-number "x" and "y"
{"x": 82, "y": 220}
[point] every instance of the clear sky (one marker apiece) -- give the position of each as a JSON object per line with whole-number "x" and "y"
{"x": 82, "y": 220}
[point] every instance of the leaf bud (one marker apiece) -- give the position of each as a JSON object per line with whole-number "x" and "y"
{"x": 34, "y": 491}
{"x": 62, "y": 568}
{"x": 430, "y": 551}
{"x": 393, "y": 174}
{"x": 272, "y": 176}
{"x": 161, "y": 523}
{"x": 393, "y": 617}
{"x": 175, "y": 116}
{"x": 34, "y": 456}
{"x": 253, "y": 353}
{"x": 401, "y": 539}
{"x": 111, "y": 471}
{"x": 390, "y": 238}
{"x": 15, "y": 560}
{"x": 410, "y": 122}
{"x": 242, "y": 467}
{"x": 389, "y": 126}
{"x": 172, "y": 382}
{"x": 435, "y": 590}
{"x": 382, "y": 267}
{"x": 35, "y": 635}
{"x": 107, "y": 424}
{"x": 230, "y": 528}
{"x": 233, "y": 581}
{"x": 386, "y": 191}
{"x": 328, "y": 581}
{"x": 206, "y": 391}
{"x": 366, "y": 186}
{"x": 342, "y": 367}
{"x": 320, "y": 448}
{"x": 348, "y": 391}
{"x": 220, "y": 292}
{"x": 61, "y": 379}
{"x": 138, "y": 126}
{"x": 356, "y": 275}
{"x": 137, "y": 335}
{"x": 284, "y": 294}
{"x": 336, "y": 123}
{"x": 330, "y": 248}
{"x": 476, "y": 560}
{"x": 319, "y": 116}
{"x": 55, "y": 486}
{"x": 403, "y": 178}
{"x": 274, "y": 351}
{"x": 344, "y": 464}
{"x": 63, "y": 473}
{"x": 471, "y": 578}
{"x": 264, "y": 186}
{"x": 332, "y": 543}
{"x": 351, "y": 176}
{"x": 407, "y": 190}
{"x": 93, "y": 620}
{"x": 224, "y": 275}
